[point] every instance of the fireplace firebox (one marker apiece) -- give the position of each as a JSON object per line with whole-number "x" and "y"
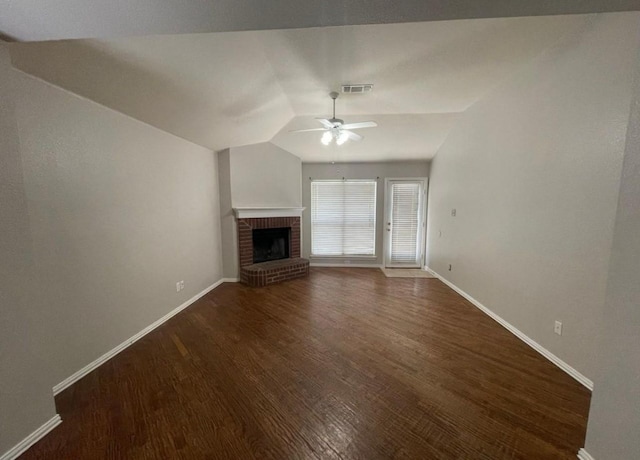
{"x": 270, "y": 244}
{"x": 269, "y": 250}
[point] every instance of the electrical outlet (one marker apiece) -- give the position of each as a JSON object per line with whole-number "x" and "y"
{"x": 558, "y": 328}
{"x": 450, "y": 267}
{"x": 453, "y": 212}
{"x": 181, "y": 285}
{"x": 178, "y": 286}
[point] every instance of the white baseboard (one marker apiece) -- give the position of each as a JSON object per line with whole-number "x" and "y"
{"x": 30, "y": 440}
{"x": 312, "y": 264}
{"x": 110, "y": 354}
{"x": 584, "y": 455}
{"x": 521, "y": 335}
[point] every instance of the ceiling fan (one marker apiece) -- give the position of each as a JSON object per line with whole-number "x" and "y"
{"x": 335, "y": 128}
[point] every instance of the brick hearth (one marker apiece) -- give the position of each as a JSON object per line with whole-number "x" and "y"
{"x": 274, "y": 271}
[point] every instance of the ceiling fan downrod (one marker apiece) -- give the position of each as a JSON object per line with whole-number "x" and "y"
{"x": 334, "y": 95}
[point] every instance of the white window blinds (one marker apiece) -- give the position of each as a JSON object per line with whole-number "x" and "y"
{"x": 343, "y": 218}
{"x": 405, "y": 219}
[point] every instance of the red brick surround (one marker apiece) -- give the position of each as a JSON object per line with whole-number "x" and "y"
{"x": 273, "y": 271}
{"x": 264, "y": 273}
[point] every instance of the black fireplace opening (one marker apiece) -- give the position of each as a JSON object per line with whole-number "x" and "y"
{"x": 270, "y": 244}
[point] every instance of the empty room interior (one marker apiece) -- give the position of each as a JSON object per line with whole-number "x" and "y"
{"x": 320, "y": 230}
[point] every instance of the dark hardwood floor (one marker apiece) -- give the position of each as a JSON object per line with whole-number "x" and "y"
{"x": 344, "y": 364}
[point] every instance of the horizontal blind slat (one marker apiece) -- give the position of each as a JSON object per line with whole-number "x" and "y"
{"x": 405, "y": 212}
{"x": 343, "y": 218}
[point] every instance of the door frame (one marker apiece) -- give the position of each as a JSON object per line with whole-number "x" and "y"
{"x": 423, "y": 219}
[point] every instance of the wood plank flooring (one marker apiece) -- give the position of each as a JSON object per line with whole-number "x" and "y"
{"x": 344, "y": 364}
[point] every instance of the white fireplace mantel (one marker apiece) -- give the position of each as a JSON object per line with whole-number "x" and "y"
{"x": 248, "y": 213}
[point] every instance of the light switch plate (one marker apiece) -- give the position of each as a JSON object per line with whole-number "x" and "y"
{"x": 558, "y": 328}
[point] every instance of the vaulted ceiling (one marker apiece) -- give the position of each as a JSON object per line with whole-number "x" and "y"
{"x": 30, "y": 20}
{"x": 236, "y": 88}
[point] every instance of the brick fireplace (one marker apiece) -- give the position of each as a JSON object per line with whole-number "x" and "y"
{"x": 287, "y": 265}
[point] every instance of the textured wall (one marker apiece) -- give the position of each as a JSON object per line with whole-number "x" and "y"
{"x": 106, "y": 215}
{"x": 614, "y": 420}
{"x": 533, "y": 170}
{"x": 119, "y": 212}
{"x": 263, "y": 175}
{"x": 25, "y": 390}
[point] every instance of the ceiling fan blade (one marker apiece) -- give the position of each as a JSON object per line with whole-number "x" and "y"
{"x": 326, "y": 123}
{"x": 359, "y": 125}
{"x": 307, "y": 130}
{"x": 353, "y": 136}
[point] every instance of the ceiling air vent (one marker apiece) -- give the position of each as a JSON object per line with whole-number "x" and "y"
{"x": 357, "y": 89}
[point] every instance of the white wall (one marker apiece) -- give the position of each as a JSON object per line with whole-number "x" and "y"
{"x": 263, "y": 175}
{"x": 228, "y": 228}
{"x": 118, "y": 211}
{"x": 614, "y": 420}
{"x": 354, "y": 171}
{"x": 254, "y": 176}
{"x": 533, "y": 170}
{"x": 25, "y": 392}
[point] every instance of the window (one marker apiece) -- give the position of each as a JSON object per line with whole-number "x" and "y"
{"x": 343, "y": 218}
{"x": 406, "y": 222}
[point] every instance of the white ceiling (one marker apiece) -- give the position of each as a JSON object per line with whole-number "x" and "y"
{"x": 229, "y": 89}
{"x": 31, "y": 20}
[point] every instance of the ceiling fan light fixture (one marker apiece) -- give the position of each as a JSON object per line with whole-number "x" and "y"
{"x": 335, "y": 129}
{"x": 342, "y": 138}
{"x": 326, "y": 138}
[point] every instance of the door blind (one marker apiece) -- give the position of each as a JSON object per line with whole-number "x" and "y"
{"x": 405, "y": 221}
{"x": 343, "y": 218}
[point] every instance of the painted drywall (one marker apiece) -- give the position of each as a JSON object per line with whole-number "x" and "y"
{"x": 614, "y": 420}
{"x": 106, "y": 215}
{"x": 533, "y": 171}
{"x": 254, "y": 176}
{"x": 263, "y": 175}
{"x": 228, "y": 227}
{"x": 381, "y": 171}
{"x": 119, "y": 212}
{"x": 25, "y": 392}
